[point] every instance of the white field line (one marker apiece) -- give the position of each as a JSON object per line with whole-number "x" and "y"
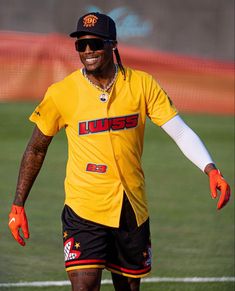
{"x": 108, "y": 281}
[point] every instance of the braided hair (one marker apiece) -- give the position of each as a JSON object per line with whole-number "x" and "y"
{"x": 119, "y": 62}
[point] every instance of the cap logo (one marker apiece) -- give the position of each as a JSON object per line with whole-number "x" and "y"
{"x": 90, "y": 20}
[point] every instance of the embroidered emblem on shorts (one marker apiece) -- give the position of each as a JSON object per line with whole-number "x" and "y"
{"x": 69, "y": 253}
{"x": 147, "y": 257}
{"x": 65, "y": 234}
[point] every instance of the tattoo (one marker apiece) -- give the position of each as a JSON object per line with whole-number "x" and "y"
{"x": 31, "y": 163}
{"x": 85, "y": 279}
{"x": 83, "y": 274}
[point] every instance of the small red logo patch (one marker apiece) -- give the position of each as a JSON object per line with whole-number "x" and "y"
{"x": 96, "y": 168}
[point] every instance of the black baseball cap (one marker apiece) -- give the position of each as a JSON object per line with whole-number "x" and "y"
{"x": 96, "y": 24}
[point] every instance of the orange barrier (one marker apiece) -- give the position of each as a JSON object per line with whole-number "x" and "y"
{"x": 29, "y": 63}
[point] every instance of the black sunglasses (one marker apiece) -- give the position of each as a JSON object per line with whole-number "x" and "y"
{"x": 95, "y": 44}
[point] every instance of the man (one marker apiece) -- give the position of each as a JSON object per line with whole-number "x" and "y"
{"x": 103, "y": 108}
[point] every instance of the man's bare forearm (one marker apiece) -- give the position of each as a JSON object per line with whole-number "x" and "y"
{"x": 31, "y": 164}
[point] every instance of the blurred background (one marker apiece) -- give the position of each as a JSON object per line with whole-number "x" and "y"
{"x": 203, "y": 28}
{"x": 188, "y": 46}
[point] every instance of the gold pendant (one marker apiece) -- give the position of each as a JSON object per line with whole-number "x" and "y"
{"x": 104, "y": 97}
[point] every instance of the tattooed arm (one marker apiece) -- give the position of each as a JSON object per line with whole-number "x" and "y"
{"x": 31, "y": 164}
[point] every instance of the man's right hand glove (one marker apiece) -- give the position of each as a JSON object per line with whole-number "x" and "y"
{"x": 17, "y": 221}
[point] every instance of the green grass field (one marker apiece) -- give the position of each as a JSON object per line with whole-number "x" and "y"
{"x": 190, "y": 237}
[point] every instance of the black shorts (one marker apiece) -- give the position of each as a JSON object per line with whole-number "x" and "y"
{"x": 125, "y": 250}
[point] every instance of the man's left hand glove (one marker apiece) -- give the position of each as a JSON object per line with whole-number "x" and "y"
{"x": 217, "y": 182}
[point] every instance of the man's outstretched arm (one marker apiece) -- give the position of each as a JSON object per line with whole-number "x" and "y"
{"x": 193, "y": 148}
{"x": 30, "y": 166}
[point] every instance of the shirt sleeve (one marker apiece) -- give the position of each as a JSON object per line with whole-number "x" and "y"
{"x": 160, "y": 108}
{"x": 47, "y": 116}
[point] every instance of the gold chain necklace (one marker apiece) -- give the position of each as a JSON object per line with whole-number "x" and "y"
{"x": 105, "y": 95}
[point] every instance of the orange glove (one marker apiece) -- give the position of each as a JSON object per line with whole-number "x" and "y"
{"x": 17, "y": 220}
{"x": 217, "y": 182}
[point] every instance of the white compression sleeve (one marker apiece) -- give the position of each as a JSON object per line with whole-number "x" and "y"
{"x": 188, "y": 142}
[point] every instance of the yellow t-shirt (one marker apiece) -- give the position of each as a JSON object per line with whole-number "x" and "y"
{"x": 105, "y": 140}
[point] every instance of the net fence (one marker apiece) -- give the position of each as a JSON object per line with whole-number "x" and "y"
{"x": 29, "y": 63}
